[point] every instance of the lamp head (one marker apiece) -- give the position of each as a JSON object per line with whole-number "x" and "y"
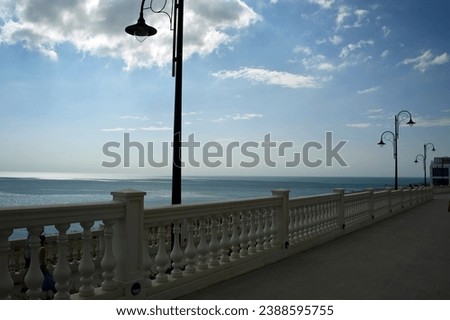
{"x": 433, "y": 149}
{"x": 140, "y": 30}
{"x": 416, "y": 161}
{"x": 410, "y": 122}
{"x": 381, "y": 143}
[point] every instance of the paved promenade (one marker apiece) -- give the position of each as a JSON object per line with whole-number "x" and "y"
{"x": 404, "y": 257}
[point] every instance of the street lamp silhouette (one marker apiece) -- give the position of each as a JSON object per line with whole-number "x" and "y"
{"x": 424, "y": 158}
{"x": 141, "y": 31}
{"x": 395, "y": 136}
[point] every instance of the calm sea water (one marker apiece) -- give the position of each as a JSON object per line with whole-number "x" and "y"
{"x": 32, "y": 191}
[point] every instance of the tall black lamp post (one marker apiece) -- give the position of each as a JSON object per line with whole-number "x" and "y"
{"x": 424, "y": 158}
{"x": 141, "y": 31}
{"x": 395, "y": 136}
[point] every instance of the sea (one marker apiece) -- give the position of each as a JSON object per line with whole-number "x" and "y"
{"x": 29, "y": 191}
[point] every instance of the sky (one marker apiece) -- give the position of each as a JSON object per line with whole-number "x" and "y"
{"x": 270, "y": 87}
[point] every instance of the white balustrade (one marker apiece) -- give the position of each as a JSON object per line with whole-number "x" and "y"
{"x": 179, "y": 243}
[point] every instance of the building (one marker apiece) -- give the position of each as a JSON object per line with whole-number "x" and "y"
{"x": 439, "y": 170}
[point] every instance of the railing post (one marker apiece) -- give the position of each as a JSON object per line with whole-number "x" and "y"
{"x": 390, "y": 200}
{"x": 340, "y": 207}
{"x": 128, "y": 235}
{"x": 371, "y": 203}
{"x": 282, "y": 218}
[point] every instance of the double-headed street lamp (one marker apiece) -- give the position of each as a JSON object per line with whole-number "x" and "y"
{"x": 141, "y": 31}
{"x": 424, "y": 158}
{"x": 395, "y": 136}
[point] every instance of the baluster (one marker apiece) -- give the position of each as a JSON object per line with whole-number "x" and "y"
{"x": 62, "y": 271}
{"x": 22, "y": 263}
{"x": 332, "y": 215}
{"x": 108, "y": 262}
{"x": 214, "y": 244}
{"x": 320, "y": 218}
{"x": 330, "y": 208}
{"x": 274, "y": 230}
{"x": 297, "y": 236}
{"x": 146, "y": 259}
{"x": 252, "y": 233}
{"x": 310, "y": 222}
{"x": 177, "y": 254}
{"x": 6, "y": 282}
{"x": 301, "y": 223}
{"x": 191, "y": 251}
{"x": 162, "y": 258}
{"x": 243, "y": 238}
{"x": 291, "y": 231}
{"x": 86, "y": 267}
{"x": 234, "y": 240}
{"x": 260, "y": 232}
{"x": 203, "y": 247}
{"x": 324, "y": 227}
{"x": 314, "y": 220}
{"x": 267, "y": 220}
{"x": 225, "y": 241}
{"x": 34, "y": 276}
{"x": 11, "y": 261}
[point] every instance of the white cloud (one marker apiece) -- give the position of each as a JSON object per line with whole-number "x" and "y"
{"x": 426, "y": 61}
{"x": 131, "y": 117}
{"x": 343, "y": 13}
{"x": 348, "y": 49}
{"x": 428, "y": 123}
{"x": 356, "y": 17}
{"x": 358, "y": 125}
{"x": 156, "y": 129}
{"x": 360, "y": 16}
{"x": 97, "y": 28}
{"x": 336, "y": 39}
{"x": 320, "y": 63}
{"x": 247, "y": 116}
{"x": 385, "y": 53}
{"x": 370, "y": 90}
{"x": 113, "y": 130}
{"x": 305, "y": 50}
{"x": 276, "y": 78}
{"x": 386, "y": 31}
{"x": 325, "y": 4}
{"x": 238, "y": 116}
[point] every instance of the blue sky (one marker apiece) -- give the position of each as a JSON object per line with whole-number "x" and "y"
{"x": 71, "y": 80}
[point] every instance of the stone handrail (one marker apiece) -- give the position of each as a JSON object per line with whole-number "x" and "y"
{"x": 165, "y": 252}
